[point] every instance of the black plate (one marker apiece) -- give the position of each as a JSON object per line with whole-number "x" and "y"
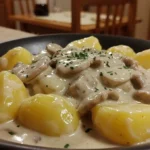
{"x": 36, "y": 44}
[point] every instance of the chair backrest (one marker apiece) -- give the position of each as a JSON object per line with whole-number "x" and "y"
{"x": 26, "y": 7}
{"x": 115, "y": 11}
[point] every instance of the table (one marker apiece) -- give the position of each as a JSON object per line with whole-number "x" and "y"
{"x": 57, "y": 22}
{"x": 11, "y": 34}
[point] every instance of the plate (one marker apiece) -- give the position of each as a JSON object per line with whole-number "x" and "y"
{"x": 36, "y": 44}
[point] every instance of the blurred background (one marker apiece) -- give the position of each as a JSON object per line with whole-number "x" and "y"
{"x": 123, "y": 17}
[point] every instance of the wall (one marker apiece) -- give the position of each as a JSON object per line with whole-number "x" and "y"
{"x": 143, "y": 12}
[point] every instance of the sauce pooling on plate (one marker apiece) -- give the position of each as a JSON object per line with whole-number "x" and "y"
{"x": 85, "y": 78}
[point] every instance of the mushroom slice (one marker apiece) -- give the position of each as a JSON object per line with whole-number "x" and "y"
{"x": 84, "y": 85}
{"x": 88, "y": 103}
{"x": 113, "y": 77}
{"x": 113, "y": 95}
{"x": 142, "y": 96}
{"x": 28, "y": 72}
{"x": 137, "y": 81}
{"x": 129, "y": 62}
{"x": 52, "y": 48}
{"x": 74, "y": 68}
{"x": 96, "y": 62}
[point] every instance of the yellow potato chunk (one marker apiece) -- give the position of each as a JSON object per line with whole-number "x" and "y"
{"x": 49, "y": 114}
{"x": 124, "y": 124}
{"x": 13, "y": 56}
{"x": 90, "y": 42}
{"x": 143, "y": 58}
{"x": 122, "y": 49}
{"x": 12, "y": 93}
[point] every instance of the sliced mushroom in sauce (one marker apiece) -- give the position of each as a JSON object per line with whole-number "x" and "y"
{"x": 85, "y": 75}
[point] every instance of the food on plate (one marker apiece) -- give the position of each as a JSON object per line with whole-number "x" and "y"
{"x": 12, "y": 93}
{"x": 13, "y": 56}
{"x": 76, "y": 94}
{"x": 50, "y": 114}
{"x": 90, "y": 42}
{"x": 127, "y": 124}
{"x": 143, "y": 58}
{"x": 123, "y": 49}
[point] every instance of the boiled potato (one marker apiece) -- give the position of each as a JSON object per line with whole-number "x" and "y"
{"x": 90, "y": 42}
{"x": 123, "y": 49}
{"x": 124, "y": 124}
{"x": 143, "y": 58}
{"x": 12, "y": 93}
{"x": 13, "y": 56}
{"x": 49, "y": 114}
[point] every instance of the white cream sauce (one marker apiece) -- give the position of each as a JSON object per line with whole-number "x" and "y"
{"x": 81, "y": 76}
{"x": 80, "y": 139}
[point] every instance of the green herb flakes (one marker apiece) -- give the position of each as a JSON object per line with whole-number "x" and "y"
{"x": 101, "y": 74}
{"x": 125, "y": 67}
{"x": 11, "y": 132}
{"x": 96, "y": 89}
{"x": 71, "y": 68}
{"x": 107, "y": 64}
{"x": 66, "y": 145}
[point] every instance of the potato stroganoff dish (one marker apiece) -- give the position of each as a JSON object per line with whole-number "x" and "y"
{"x": 78, "y": 96}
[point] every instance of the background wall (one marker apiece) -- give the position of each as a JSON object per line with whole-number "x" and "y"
{"x": 143, "y": 12}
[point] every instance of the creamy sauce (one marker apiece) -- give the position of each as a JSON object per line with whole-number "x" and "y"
{"x": 85, "y": 76}
{"x": 84, "y": 137}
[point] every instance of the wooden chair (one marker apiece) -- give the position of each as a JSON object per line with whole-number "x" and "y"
{"x": 114, "y": 8}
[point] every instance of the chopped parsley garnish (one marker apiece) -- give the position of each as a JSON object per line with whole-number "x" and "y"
{"x": 34, "y": 61}
{"x": 101, "y": 74}
{"x": 96, "y": 89}
{"x": 66, "y": 145}
{"x": 81, "y": 55}
{"x": 110, "y": 72}
{"x": 72, "y": 68}
{"x": 88, "y": 130}
{"x": 67, "y": 64}
{"x": 125, "y": 67}
{"x": 32, "y": 66}
{"x": 107, "y": 64}
{"x": 105, "y": 88}
{"x": 46, "y": 85}
{"x": 11, "y": 132}
{"x": 94, "y": 58}
{"x": 22, "y": 71}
